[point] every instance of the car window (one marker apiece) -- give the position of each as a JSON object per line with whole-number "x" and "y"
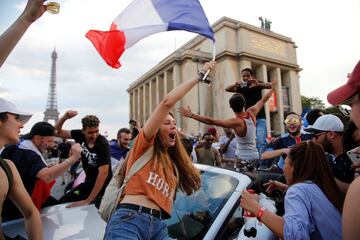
{"x": 193, "y": 215}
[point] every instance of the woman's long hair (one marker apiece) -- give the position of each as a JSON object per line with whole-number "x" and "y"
{"x": 310, "y": 163}
{"x": 187, "y": 176}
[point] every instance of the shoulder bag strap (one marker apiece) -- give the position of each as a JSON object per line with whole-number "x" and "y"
{"x": 5, "y": 166}
{"x": 139, "y": 164}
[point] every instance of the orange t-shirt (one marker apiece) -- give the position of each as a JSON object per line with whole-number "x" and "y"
{"x": 150, "y": 180}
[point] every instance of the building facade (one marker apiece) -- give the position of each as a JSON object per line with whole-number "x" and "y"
{"x": 238, "y": 46}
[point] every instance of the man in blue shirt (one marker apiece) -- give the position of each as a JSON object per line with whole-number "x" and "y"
{"x": 283, "y": 144}
{"x": 120, "y": 148}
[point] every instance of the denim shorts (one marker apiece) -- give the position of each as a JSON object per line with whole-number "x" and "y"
{"x": 130, "y": 224}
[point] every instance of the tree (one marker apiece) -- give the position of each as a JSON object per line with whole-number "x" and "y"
{"x": 312, "y": 103}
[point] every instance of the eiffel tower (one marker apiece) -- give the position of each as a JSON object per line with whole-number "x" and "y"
{"x": 51, "y": 112}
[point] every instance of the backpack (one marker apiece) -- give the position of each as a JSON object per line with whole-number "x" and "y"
{"x": 5, "y": 166}
{"x": 115, "y": 188}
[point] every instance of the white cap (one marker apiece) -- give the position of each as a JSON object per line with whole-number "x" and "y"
{"x": 9, "y": 107}
{"x": 326, "y": 123}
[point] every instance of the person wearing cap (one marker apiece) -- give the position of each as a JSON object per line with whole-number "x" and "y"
{"x": 11, "y": 186}
{"x": 328, "y": 131}
{"x": 34, "y": 9}
{"x": 282, "y": 145}
{"x": 38, "y": 178}
{"x": 349, "y": 94}
{"x": 95, "y": 159}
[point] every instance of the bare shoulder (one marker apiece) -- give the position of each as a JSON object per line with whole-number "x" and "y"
{"x": 4, "y": 185}
{"x": 354, "y": 189}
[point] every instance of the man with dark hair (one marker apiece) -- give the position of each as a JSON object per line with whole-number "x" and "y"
{"x": 38, "y": 178}
{"x": 11, "y": 186}
{"x": 120, "y": 148}
{"x": 95, "y": 158}
{"x": 207, "y": 154}
{"x": 251, "y": 89}
{"x": 313, "y": 115}
{"x": 283, "y": 144}
{"x": 243, "y": 124}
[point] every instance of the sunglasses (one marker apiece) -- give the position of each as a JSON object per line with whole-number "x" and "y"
{"x": 209, "y": 140}
{"x": 317, "y": 135}
{"x": 290, "y": 121}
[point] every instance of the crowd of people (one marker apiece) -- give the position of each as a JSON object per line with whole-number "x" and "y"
{"x": 321, "y": 185}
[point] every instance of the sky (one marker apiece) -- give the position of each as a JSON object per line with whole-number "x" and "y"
{"x": 324, "y": 31}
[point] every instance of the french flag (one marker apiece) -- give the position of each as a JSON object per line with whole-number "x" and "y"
{"x": 145, "y": 17}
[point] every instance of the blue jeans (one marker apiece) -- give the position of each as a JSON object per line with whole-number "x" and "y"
{"x": 261, "y": 135}
{"x": 127, "y": 224}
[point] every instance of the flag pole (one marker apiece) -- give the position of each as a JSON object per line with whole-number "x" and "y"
{"x": 214, "y": 54}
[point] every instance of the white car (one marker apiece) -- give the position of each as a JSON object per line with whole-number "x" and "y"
{"x": 212, "y": 212}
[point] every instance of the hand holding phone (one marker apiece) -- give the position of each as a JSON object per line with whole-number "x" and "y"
{"x": 354, "y": 155}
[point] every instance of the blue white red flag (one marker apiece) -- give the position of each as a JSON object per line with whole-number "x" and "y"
{"x": 145, "y": 17}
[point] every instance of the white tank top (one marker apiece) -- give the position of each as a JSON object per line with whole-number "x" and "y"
{"x": 246, "y": 146}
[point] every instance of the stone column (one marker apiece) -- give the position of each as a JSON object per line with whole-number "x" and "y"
{"x": 158, "y": 95}
{"x": 244, "y": 64}
{"x": 145, "y": 102}
{"x": 292, "y": 78}
{"x": 165, "y": 83}
{"x": 137, "y": 104}
{"x": 141, "y": 104}
{"x": 131, "y": 104}
{"x": 177, "y": 82}
{"x": 276, "y": 74}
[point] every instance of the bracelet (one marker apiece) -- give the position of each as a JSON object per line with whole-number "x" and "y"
{"x": 191, "y": 115}
{"x": 260, "y": 213}
{"x": 201, "y": 75}
{"x": 68, "y": 161}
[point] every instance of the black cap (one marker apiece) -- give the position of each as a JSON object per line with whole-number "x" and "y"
{"x": 42, "y": 129}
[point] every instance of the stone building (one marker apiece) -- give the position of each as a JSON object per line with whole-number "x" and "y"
{"x": 238, "y": 45}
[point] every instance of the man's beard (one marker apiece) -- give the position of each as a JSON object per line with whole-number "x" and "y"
{"x": 294, "y": 134}
{"x": 327, "y": 146}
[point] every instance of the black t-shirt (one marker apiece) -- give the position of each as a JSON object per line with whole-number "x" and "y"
{"x": 28, "y": 164}
{"x": 93, "y": 158}
{"x": 341, "y": 167}
{"x": 252, "y": 96}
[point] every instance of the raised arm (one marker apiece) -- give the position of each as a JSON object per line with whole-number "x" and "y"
{"x": 231, "y": 88}
{"x": 8, "y": 40}
{"x": 155, "y": 120}
{"x": 227, "y": 123}
{"x": 20, "y": 197}
{"x": 257, "y": 107}
{"x": 59, "y": 124}
{"x": 48, "y": 174}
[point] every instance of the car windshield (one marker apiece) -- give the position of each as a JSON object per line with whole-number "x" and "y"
{"x": 193, "y": 215}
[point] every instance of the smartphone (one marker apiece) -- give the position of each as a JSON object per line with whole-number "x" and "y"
{"x": 354, "y": 155}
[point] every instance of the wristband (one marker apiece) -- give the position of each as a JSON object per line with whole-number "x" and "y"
{"x": 191, "y": 115}
{"x": 68, "y": 161}
{"x": 201, "y": 75}
{"x": 260, "y": 214}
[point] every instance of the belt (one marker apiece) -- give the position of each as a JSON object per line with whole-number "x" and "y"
{"x": 153, "y": 212}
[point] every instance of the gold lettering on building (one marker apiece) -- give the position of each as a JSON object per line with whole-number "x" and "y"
{"x": 268, "y": 45}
